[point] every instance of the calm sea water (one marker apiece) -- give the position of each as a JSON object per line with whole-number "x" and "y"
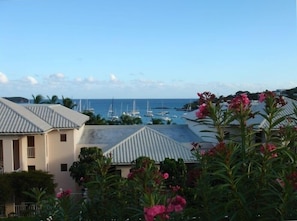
{"x": 169, "y": 106}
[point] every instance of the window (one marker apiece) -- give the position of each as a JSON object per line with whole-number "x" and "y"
{"x": 31, "y": 147}
{"x": 31, "y": 168}
{"x": 64, "y": 167}
{"x": 63, "y": 137}
{"x": 16, "y": 154}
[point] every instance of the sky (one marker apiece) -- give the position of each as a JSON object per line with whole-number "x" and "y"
{"x": 146, "y": 48}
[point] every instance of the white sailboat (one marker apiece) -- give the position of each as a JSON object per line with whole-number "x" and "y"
{"x": 135, "y": 113}
{"x": 149, "y": 112}
{"x": 111, "y": 114}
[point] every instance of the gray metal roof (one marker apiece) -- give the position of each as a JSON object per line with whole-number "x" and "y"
{"x": 16, "y": 119}
{"x": 128, "y": 142}
{"x": 57, "y": 115}
{"x": 150, "y": 143}
{"x": 258, "y": 121}
{"x": 37, "y": 118}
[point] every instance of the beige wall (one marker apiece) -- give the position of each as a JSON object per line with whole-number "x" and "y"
{"x": 61, "y": 153}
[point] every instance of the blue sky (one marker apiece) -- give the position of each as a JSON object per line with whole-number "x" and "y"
{"x": 146, "y": 48}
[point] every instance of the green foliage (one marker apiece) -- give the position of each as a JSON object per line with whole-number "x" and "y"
{"x": 177, "y": 170}
{"x": 94, "y": 119}
{"x": 130, "y": 120}
{"x": 19, "y": 219}
{"x": 6, "y": 190}
{"x": 63, "y": 208}
{"x": 17, "y": 183}
{"x": 90, "y": 161}
{"x": 241, "y": 179}
{"x": 68, "y": 102}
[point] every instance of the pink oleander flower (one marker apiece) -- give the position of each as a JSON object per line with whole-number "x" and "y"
{"x": 205, "y": 97}
{"x": 240, "y": 101}
{"x": 63, "y": 193}
{"x": 202, "y": 111}
{"x": 176, "y": 204}
{"x": 151, "y": 212}
{"x": 262, "y": 97}
{"x": 269, "y": 148}
{"x": 268, "y": 95}
{"x": 175, "y": 188}
{"x": 165, "y": 176}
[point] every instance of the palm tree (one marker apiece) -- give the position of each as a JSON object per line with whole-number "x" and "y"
{"x": 53, "y": 100}
{"x": 68, "y": 102}
{"x": 38, "y": 99}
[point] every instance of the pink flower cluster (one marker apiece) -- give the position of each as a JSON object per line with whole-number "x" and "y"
{"x": 270, "y": 149}
{"x": 157, "y": 210}
{"x": 240, "y": 102}
{"x": 271, "y": 95}
{"x": 63, "y": 193}
{"x": 202, "y": 111}
{"x": 176, "y": 204}
{"x": 206, "y": 97}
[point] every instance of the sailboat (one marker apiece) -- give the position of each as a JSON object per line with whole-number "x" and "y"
{"x": 110, "y": 114}
{"x": 134, "y": 112}
{"x": 149, "y": 112}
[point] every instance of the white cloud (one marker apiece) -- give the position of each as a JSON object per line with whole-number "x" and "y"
{"x": 57, "y": 76}
{"x": 113, "y": 78}
{"x": 31, "y": 80}
{"x": 90, "y": 80}
{"x": 3, "y": 78}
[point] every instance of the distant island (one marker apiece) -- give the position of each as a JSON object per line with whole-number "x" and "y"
{"x": 17, "y": 99}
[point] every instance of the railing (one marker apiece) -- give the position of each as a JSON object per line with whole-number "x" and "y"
{"x": 31, "y": 152}
{"x": 25, "y": 209}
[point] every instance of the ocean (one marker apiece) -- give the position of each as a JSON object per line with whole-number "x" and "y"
{"x": 170, "y": 108}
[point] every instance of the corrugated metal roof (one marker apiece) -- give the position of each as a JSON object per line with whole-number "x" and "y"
{"x": 57, "y": 115}
{"x": 258, "y": 121}
{"x": 16, "y": 119}
{"x": 150, "y": 143}
{"x": 287, "y": 111}
{"x": 107, "y": 136}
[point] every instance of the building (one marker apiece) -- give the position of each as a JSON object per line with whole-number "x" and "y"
{"x": 49, "y": 137}
{"x": 39, "y": 137}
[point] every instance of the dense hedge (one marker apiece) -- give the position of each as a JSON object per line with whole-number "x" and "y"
{"x": 16, "y": 183}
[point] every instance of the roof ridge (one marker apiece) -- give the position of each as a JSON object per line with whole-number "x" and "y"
{"x": 16, "y": 108}
{"x": 141, "y": 130}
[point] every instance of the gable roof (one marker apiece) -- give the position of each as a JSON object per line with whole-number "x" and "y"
{"x": 128, "y": 142}
{"x": 150, "y": 143}
{"x": 16, "y": 119}
{"x": 37, "y": 118}
{"x": 58, "y": 116}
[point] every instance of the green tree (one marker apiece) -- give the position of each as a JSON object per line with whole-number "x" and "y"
{"x": 52, "y": 100}
{"x": 94, "y": 119}
{"x": 68, "y": 102}
{"x": 38, "y": 99}
{"x": 90, "y": 161}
